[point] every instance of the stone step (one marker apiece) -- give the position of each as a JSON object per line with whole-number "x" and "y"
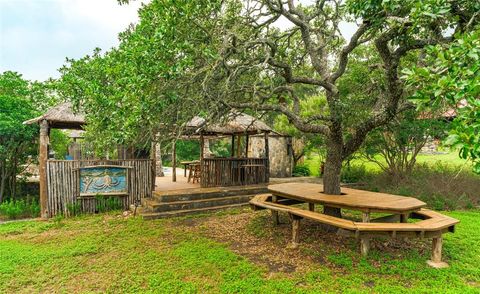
{"x": 178, "y": 213}
{"x": 155, "y": 206}
{"x": 207, "y": 193}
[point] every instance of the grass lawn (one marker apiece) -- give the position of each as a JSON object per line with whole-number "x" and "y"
{"x": 239, "y": 251}
{"x": 451, "y": 158}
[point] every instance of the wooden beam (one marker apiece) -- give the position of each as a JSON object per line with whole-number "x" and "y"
{"x": 267, "y": 156}
{"x": 246, "y": 146}
{"x": 42, "y": 167}
{"x": 202, "y": 147}
{"x": 239, "y": 141}
{"x": 232, "y": 153}
{"x": 153, "y": 157}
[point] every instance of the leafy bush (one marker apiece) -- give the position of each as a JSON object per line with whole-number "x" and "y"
{"x": 353, "y": 173}
{"x": 442, "y": 187}
{"x": 301, "y": 171}
{"x": 14, "y": 209}
{"x": 104, "y": 204}
{"x": 74, "y": 208}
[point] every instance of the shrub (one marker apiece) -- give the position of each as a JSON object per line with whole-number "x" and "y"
{"x": 353, "y": 173}
{"x": 104, "y": 204}
{"x": 301, "y": 171}
{"x": 14, "y": 209}
{"x": 74, "y": 208}
{"x": 442, "y": 187}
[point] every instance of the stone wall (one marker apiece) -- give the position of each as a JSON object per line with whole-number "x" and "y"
{"x": 281, "y": 160}
{"x": 431, "y": 146}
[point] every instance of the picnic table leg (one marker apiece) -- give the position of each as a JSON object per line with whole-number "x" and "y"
{"x": 185, "y": 170}
{"x": 365, "y": 241}
{"x": 295, "y": 230}
{"x": 436, "y": 259}
{"x": 275, "y": 213}
{"x": 404, "y": 217}
{"x": 311, "y": 206}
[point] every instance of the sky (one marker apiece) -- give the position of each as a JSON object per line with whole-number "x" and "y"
{"x": 37, "y": 35}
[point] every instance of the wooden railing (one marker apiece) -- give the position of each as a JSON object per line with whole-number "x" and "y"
{"x": 63, "y": 184}
{"x": 222, "y": 172}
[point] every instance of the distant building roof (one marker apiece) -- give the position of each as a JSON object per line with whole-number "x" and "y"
{"x": 61, "y": 116}
{"x": 235, "y": 123}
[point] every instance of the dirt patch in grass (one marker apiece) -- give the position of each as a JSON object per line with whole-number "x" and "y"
{"x": 254, "y": 236}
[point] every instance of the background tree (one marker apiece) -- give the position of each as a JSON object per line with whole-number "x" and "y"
{"x": 261, "y": 67}
{"x": 190, "y": 57}
{"x": 452, "y": 79}
{"x": 145, "y": 89}
{"x": 17, "y": 141}
{"x": 395, "y": 146}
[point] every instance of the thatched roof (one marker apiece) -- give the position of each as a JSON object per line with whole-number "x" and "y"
{"x": 235, "y": 123}
{"x": 61, "y": 116}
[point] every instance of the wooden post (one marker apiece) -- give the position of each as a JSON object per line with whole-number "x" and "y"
{"x": 365, "y": 241}
{"x": 267, "y": 156}
{"x": 404, "y": 217}
{"x": 274, "y": 212}
{"x": 42, "y": 167}
{"x": 295, "y": 230}
{"x": 246, "y": 146}
{"x": 153, "y": 157}
{"x": 436, "y": 259}
{"x": 239, "y": 141}
{"x": 174, "y": 161}
{"x": 311, "y": 206}
{"x": 202, "y": 147}
{"x": 233, "y": 146}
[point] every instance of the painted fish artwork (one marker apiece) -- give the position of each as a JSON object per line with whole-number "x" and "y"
{"x": 103, "y": 180}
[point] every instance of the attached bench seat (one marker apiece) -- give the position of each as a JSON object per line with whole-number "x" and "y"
{"x": 433, "y": 224}
{"x": 432, "y": 220}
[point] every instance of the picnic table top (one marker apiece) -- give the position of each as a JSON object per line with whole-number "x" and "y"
{"x": 352, "y": 198}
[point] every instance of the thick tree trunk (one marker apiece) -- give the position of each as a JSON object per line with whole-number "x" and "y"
{"x": 331, "y": 177}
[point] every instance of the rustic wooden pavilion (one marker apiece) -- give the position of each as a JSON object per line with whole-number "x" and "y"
{"x": 60, "y": 180}
{"x": 238, "y": 169}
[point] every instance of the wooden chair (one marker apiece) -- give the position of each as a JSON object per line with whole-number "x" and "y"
{"x": 195, "y": 173}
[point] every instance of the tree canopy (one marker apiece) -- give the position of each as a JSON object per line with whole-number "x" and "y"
{"x": 17, "y": 141}
{"x": 205, "y": 57}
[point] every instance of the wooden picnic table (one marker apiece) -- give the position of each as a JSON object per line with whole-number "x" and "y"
{"x": 353, "y": 199}
{"x": 187, "y": 164}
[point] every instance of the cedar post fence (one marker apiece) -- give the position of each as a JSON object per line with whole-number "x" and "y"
{"x": 223, "y": 172}
{"x": 63, "y": 187}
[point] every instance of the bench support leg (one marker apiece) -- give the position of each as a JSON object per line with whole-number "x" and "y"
{"x": 311, "y": 206}
{"x": 404, "y": 217}
{"x": 436, "y": 259}
{"x": 365, "y": 241}
{"x": 275, "y": 218}
{"x": 295, "y": 230}
{"x": 364, "y": 245}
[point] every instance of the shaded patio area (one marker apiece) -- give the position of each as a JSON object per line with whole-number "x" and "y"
{"x": 165, "y": 183}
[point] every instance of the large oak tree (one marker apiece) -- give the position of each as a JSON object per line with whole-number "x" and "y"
{"x": 186, "y": 57}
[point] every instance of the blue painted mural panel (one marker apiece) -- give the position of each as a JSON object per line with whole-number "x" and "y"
{"x": 103, "y": 180}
